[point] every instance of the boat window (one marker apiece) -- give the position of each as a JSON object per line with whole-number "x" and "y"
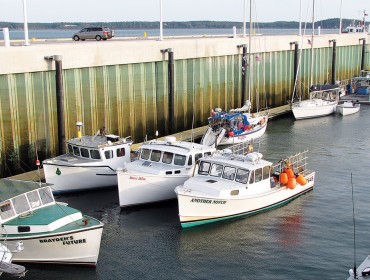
{"x": 145, "y": 153}
{"x": 229, "y": 173}
{"x": 167, "y": 157}
{"x": 121, "y": 152}
{"x": 198, "y": 156}
{"x": 266, "y": 172}
{"x": 84, "y": 152}
{"x": 34, "y": 199}
{"x": 234, "y": 192}
{"x": 76, "y": 151}
{"x": 108, "y": 154}
{"x": 155, "y": 155}
{"x": 6, "y": 210}
{"x": 216, "y": 170}
{"x": 95, "y": 154}
{"x": 207, "y": 154}
{"x": 251, "y": 178}
{"x": 258, "y": 175}
{"x": 180, "y": 160}
{"x": 70, "y": 149}
{"x": 242, "y": 176}
{"x": 20, "y": 204}
{"x": 190, "y": 160}
{"x": 46, "y": 195}
{"x": 204, "y": 168}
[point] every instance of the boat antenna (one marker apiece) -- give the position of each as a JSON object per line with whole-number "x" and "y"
{"x": 312, "y": 38}
{"x": 354, "y": 234}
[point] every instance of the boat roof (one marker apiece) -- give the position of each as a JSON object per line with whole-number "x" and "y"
{"x": 324, "y": 87}
{"x": 176, "y": 146}
{"x": 10, "y": 188}
{"x": 241, "y": 161}
{"x": 99, "y": 141}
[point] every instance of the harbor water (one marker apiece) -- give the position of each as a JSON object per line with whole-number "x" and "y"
{"x": 312, "y": 237}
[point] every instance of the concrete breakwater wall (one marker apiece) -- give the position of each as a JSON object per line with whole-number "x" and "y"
{"x": 123, "y": 85}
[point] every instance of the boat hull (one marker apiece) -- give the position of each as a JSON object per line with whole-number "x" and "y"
{"x": 245, "y": 137}
{"x": 78, "y": 247}
{"x": 77, "y": 178}
{"x": 197, "y": 210}
{"x": 307, "y": 112}
{"x": 137, "y": 189}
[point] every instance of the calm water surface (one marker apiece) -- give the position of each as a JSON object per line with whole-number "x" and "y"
{"x": 309, "y": 238}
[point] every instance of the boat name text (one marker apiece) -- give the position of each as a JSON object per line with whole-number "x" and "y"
{"x": 69, "y": 240}
{"x": 137, "y": 178}
{"x": 207, "y": 201}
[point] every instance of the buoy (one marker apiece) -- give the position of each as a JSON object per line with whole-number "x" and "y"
{"x": 301, "y": 180}
{"x": 37, "y": 162}
{"x": 231, "y": 133}
{"x": 283, "y": 178}
{"x": 289, "y": 172}
{"x": 291, "y": 183}
{"x": 245, "y": 127}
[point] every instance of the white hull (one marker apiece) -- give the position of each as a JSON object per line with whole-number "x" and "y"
{"x": 69, "y": 247}
{"x": 348, "y": 108}
{"x": 196, "y": 209}
{"x": 313, "y": 109}
{"x": 76, "y": 178}
{"x": 136, "y": 189}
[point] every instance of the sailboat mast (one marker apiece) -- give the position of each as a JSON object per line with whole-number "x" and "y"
{"x": 312, "y": 36}
{"x": 249, "y": 49}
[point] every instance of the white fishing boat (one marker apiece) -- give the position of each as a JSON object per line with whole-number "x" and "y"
{"x": 235, "y": 126}
{"x": 51, "y": 231}
{"x": 362, "y": 271}
{"x": 6, "y": 257}
{"x": 348, "y": 108}
{"x": 90, "y": 162}
{"x": 161, "y": 166}
{"x": 322, "y": 101}
{"x": 228, "y": 185}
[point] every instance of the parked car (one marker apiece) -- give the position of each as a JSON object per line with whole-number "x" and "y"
{"x": 97, "y": 33}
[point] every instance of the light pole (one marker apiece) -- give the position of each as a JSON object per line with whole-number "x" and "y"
{"x": 160, "y": 22}
{"x": 26, "y": 42}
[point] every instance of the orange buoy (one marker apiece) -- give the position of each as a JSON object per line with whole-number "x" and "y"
{"x": 283, "y": 178}
{"x": 291, "y": 183}
{"x": 301, "y": 180}
{"x": 289, "y": 172}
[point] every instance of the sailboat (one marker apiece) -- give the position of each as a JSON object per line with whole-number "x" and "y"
{"x": 323, "y": 99}
{"x": 237, "y": 125}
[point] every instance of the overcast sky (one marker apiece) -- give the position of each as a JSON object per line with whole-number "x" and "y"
{"x": 177, "y": 10}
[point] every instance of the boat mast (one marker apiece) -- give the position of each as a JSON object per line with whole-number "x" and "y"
{"x": 312, "y": 35}
{"x": 250, "y": 52}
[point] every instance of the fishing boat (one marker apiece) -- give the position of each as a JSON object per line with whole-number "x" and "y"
{"x": 348, "y": 108}
{"x": 323, "y": 100}
{"x": 360, "y": 85}
{"x": 90, "y": 162}
{"x": 51, "y": 231}
{"x": 161, "y": 166}
{"x": 362, "y": 271}
{"x": 230, "y": 184}
{"x": 236, "y": 126}
{"x": 6, "y": 256}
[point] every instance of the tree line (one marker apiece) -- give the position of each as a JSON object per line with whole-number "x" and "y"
{"x": 327, "y": 24}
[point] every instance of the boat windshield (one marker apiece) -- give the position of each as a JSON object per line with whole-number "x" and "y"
{"x": 25, "y": 202}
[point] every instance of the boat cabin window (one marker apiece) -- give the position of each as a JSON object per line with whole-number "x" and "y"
{"x": 251, "y": 178}
{"x": 266, "y": 172}
{"x": 108, "y": 154}
{"x": 204, "y": 168}
{"x": 207, "y": 154}
{"x": 121, "y": 152}
{"x": 145, "y": 153}
{"x": 242, "y": 176}
{"x": 20, "y": 204}
{"x": 85, "y": 153}
{"x": 95, "y": 154}
{"x": 6, "y": 210}
{"x": 76, "y": 151}
{"x": 155, "y": 155}
{"x": 167, "y": 157}
{"x": 70, "y": 149}
{"x": 179, "y": 160}
{"x": 190, "y": 160}
{"x": 198, "y": 156}
{"x": 34, "y": 199}
{"x": 258, "y": 175}
{"x": 229, "y": 173}
{"x": 216, "y": 170}
{"x": 46, "y": 195}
